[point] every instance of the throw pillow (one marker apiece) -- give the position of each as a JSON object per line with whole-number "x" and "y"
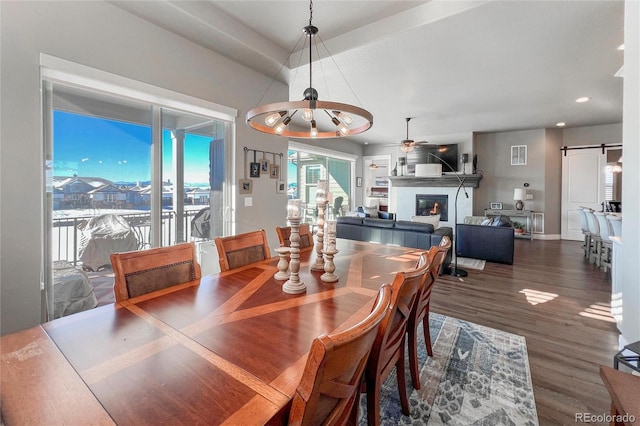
{"x": 486, "y": 222}
{"x": 370, "y": 211}
{"x": 433, "y": 220}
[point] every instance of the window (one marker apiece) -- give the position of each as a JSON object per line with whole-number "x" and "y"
{"x": 128, "y": 167}
{"x": 307, "y": 165}
{"x": 519, "y": 155}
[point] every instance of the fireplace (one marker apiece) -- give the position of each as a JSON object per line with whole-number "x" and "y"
{"x": 430, "y": 205}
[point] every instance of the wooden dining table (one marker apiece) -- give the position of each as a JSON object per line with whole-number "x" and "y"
{"x": 229, "y": 348}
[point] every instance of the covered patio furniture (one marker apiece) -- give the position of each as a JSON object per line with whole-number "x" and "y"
{"x": 101, "y": 236}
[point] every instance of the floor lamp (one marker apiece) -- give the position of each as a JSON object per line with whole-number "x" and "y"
{"x": 455, "y": 271}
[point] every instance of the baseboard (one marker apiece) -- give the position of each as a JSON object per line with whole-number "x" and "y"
{"x": 546, "y": 236}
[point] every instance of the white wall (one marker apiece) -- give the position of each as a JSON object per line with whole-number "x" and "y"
{"x": 630, "y": 273}
{"x": 102, "y": 36}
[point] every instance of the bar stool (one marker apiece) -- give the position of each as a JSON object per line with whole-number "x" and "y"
{"x": 605, "y": 243}
{"x": 594, "y": 229}
{"x": 584, "y": 225}
{"x": 615, "y": 222}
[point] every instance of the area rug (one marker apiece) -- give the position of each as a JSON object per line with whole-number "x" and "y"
{"x": 477, "y": 376}
{"x": 465, "y": 262}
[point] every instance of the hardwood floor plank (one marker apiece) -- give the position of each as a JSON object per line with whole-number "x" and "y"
{"x": 560, "y": 303}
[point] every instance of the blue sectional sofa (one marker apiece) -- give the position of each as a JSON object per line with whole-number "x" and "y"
{"x": 491, "y": 243}
{"x": 387, "y": 231}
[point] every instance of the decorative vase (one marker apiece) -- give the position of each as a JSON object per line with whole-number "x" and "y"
{"x": 394, "y": 172}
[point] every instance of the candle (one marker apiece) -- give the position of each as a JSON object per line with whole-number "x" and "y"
{"x": 294, "y": 207}
{"x": 321, "y": 191}
{"x": 330, "y": 232}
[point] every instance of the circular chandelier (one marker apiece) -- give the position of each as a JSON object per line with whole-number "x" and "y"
{"x": 317, "y": 119}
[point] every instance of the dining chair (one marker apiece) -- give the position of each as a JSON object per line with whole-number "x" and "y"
{"x": 243, "y": 249}
{"x": 388, "y": 348}
{"x": 329, "y": 391}
{"x": 141, "y": 272}
{"x": 420, "y": 312}
{"x": 306, "y": 239}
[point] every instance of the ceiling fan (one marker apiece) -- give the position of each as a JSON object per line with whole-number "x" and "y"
{"x": 374, "y": 166}
{"x": 407, "y": 145}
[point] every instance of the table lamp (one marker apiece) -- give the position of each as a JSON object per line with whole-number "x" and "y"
{"x": 519, "y": 195}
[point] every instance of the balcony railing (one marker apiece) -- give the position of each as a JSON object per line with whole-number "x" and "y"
{"x": 67, "y": 231}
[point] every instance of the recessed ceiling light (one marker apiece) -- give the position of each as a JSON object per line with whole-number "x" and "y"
{"x": 621, "y": 47}
{"x": 561, "y": 124}
{"x": 583, "y": 99}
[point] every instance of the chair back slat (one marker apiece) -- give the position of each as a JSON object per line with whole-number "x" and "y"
{"x": 141, "y": 272}
{"x": 329, "y": 390}
{"x": 242, "y": 249}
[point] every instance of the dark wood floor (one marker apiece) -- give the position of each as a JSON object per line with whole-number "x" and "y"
{"x": 561, "y": 304}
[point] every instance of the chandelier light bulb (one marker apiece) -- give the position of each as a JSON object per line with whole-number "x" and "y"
{"x": 307, "y": 114}
{"x": 314, "y": 129}
{"x": 282, "y": 125}
{"x": 344, "y": 117}
{"x": 271, "y": 119}
{"x": 343, "y": 128}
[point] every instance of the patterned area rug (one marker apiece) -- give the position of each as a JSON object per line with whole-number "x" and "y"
{"x": 477, "y": 376}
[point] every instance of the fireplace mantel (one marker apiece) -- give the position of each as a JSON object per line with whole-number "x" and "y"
{"x": 470, "y": 181}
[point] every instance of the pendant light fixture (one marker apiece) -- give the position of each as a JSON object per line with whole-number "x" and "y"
{"x": 407, "y": 145}
{"x": 316, "y": 119}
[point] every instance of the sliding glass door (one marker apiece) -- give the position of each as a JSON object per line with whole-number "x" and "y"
{"x": 122, "y": 175}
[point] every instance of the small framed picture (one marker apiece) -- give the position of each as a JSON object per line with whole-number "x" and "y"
{"x": 281, "y": 187}
{"x": 254, "y": 170}
{"x": 495, "y": 206}
{"x": 358, "y": 182}
{"x": 264, "y": 166}
{"x": 275, "y": 171}
{"x": 245, "y": 186}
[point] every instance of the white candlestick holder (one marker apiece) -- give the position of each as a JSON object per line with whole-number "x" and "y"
{"x": 329, "y": 267}
{"x": 283, "y": 264}
{"x": 293, "y": 285}
{"x": 319, "y": 263}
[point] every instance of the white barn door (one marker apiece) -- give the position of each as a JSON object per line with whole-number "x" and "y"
{"x": 582, "y": 186}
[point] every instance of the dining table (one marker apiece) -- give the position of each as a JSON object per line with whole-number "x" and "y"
{"x": 228, "y": 348}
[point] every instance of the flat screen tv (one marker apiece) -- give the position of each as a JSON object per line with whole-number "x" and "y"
{"x": 420, "y": 155}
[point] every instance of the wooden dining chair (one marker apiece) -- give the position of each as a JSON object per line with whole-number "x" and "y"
{"x": 388, "y": 348}
{"x": 329, "y": 391}
{"x": 141, "y": 272}
{"x": 306, "y": 239}
{"x": 243, "y": 249}
{"x": 420, "y": 312}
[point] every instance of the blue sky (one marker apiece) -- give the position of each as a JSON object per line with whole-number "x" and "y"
{"x": 119, "y": 151}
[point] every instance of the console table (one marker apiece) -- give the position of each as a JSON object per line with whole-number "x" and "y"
{"x": 528, "y": 214}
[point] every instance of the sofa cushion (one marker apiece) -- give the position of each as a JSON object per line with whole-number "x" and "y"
{"x": 352, "y": 220}
{"x": 433, "y": 219}
{"x": 378, "y": 223}
{"x": 407, "y": 225}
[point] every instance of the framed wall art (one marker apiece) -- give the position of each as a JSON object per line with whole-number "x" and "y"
{"x": 245, "y": 186}
{"x": 275, "y": 171}
{"x": 495, "y": 206}
{"x": 281, "y": 187}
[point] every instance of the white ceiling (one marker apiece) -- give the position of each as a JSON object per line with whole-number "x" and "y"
{"x": 453, "y": 66}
